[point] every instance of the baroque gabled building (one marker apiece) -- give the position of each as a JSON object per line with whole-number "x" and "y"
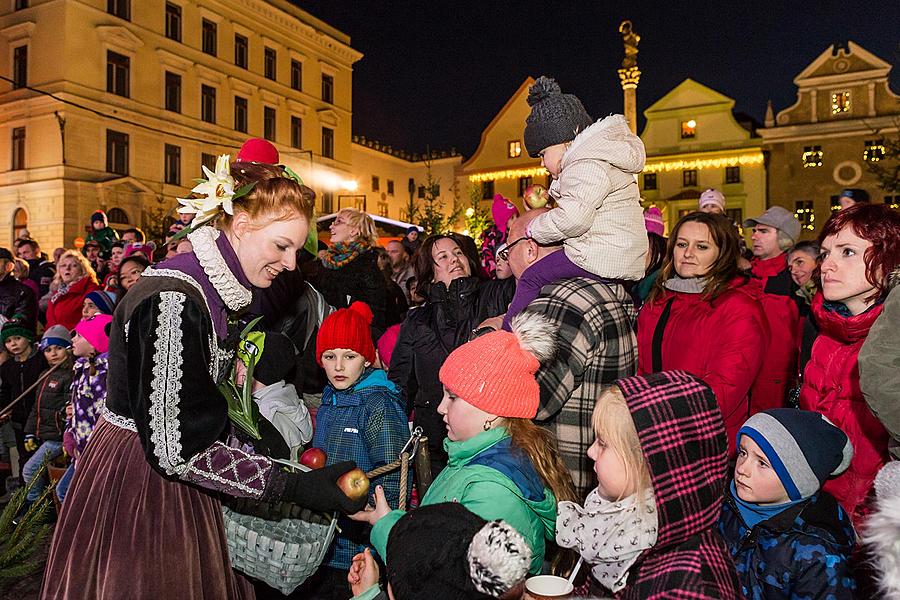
{"x": 694, "y": 142}
{"x": 825, "y": 141}
{"x": 115, "y": 104}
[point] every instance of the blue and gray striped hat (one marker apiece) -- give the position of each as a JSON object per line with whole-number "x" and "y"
{"x": 803, "y": 446}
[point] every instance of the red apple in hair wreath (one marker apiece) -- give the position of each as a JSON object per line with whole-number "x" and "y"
{"x": 314, "y": 458}
{"x": 354, "y": 484}
{"x": 536, "y": 196}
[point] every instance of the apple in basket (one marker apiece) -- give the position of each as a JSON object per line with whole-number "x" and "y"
{"x": 314, "y": 458}
{"x": 354, "y": 484}
{"x": 536, "y": 196}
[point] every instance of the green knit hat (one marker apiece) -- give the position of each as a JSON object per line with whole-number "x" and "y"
{"x": 16, "y": 326}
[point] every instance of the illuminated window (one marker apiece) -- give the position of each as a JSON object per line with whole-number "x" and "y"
{"x": 874, "y": 151}
{"x": 515, "y": 149}
{"x": 835, "y": 204}
{"x": 689, "y": 177}
{"x": 805, "y": 213}
{"x": 20, "y": 223}
{"x": 840, "y": 102}
{"x": 688, "y": 129}
{"x": 383, "y": 209}
{"x": 812, "y": 156}
{"x": 893, "y": 202}
{"x": 649, "y": 181}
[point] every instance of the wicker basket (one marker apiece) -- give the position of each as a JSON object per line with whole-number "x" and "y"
{"x": 280, "y": 544}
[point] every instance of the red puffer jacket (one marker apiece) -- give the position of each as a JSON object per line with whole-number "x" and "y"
{"x": 65, "y": 309}
{"x": 831, "y": 387}
{"x": 722, "y": 342}
{"x": 780, "y": 305}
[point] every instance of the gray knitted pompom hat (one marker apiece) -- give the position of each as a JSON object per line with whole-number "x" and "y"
{"x": 555, "y": 117}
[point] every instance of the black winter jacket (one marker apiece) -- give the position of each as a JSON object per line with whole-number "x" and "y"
{"x": 431, "y": 332}
{"x": 15, "y": 377}
{"x": 48, "y": 417}
{"x": 360, "y": 280}
{"x": 17, "y": 299}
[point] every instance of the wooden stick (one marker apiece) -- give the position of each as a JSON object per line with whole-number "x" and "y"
{"x": 8, "y": 408}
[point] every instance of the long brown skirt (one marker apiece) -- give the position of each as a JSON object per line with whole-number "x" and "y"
{"x": 126, "y": 532}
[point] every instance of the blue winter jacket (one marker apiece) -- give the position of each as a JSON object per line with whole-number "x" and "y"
{"x": 801, "y": 553}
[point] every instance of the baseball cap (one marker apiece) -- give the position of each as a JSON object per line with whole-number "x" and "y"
{"x": 780, "y": 218}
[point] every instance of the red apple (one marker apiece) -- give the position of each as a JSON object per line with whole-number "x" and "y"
{"x": 314, "y": 458}
{"x": 354, "y": 484}
{"x": 536, "y": 196}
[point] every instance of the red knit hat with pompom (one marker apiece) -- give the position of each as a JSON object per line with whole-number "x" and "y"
{"x": 347, "y": 328}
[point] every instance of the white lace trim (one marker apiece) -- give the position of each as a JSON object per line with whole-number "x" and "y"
{"x": 201, "y": 466}
{"x": 235, "y": 295}
{"x": 165, "y": 384}
{"x": 118, "y": 420}
{"x": 215, "y": 352}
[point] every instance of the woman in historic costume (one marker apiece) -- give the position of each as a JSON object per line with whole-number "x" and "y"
{"x": 142, "y": 517}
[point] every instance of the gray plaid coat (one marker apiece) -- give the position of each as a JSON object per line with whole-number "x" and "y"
{"x": 596, "y": 346}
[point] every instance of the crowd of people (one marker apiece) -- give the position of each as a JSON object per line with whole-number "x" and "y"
{"x": 684, "y": 416}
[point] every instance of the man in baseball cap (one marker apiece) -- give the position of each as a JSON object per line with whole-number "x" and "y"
{"x": 774, "y": 233}
{"x": 851, "y": 196}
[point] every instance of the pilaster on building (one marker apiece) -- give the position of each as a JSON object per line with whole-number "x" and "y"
{"x": 143, "y": 93}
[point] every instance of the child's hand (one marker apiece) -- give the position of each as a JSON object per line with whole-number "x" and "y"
{"x": 372, "y": 515}
{"x": 240, "y": 372}
{"x": 363, "y": 572}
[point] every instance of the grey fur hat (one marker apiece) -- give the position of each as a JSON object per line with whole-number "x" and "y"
{"x": 555, "y": 117}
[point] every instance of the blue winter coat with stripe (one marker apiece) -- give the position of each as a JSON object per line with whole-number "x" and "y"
{"x": 801, "y": 553}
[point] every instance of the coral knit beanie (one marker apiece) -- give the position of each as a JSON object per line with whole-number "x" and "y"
{"x": 96, "y": 331}
{"x": 496, "y": 373}
{"x": 347, "y": 328}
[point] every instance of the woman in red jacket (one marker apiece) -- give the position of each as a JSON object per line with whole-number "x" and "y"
{"x": 76, "y": 280}
{"x": 860, "y": 248}
{"x": 704, "y": 317}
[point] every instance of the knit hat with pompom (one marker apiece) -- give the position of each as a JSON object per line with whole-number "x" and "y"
{"x": 347, "y": 328}
{"x": 446, "y": 552}
{"x": 555, "y": 117}
{"x": 502, "y": 210}
{"x": 495, "y": 372}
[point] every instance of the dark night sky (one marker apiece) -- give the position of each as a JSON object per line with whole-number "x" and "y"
{"x": 435, "y": 72}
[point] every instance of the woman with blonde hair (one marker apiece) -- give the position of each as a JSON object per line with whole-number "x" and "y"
{"x": 501, "y": 465}
{"x": 348, "y": 271}
{"x": 75, "y": 279}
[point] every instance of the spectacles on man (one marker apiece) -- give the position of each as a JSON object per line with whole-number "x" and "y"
{"x": 504, "y": 254}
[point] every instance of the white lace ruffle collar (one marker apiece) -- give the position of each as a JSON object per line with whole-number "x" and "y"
{"x": 233, "y": 294}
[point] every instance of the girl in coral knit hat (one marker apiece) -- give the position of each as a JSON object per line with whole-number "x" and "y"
{"x": 501, "y": 465}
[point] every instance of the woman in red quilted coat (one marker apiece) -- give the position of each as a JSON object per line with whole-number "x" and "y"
{"x": 860, "y": 248}
{"x": 76, "y": 280}
{"x": 704, "y": 317}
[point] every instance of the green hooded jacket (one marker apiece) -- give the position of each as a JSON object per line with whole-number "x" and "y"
{"x": 510, "y": 490}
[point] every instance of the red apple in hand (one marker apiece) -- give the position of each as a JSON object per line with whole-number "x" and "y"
{"x": 314, "y": 458}
{"x": 536, "y": 196}
{"x": 354, "y": 484}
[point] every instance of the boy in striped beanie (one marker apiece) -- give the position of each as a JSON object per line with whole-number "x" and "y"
{"x": 789, "y": 538}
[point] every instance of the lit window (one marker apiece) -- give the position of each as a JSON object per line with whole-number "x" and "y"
{"x": 812, "y": 156}
{"x": 892, "y": 202}
{"x": 806, "y": 214}
{"x": 688, "y": 129}
{"x": 874, "y": 151}
{"x": 840, "y": 102}
{"x": 835, "y": 204}
{"x": 515, "y": 149}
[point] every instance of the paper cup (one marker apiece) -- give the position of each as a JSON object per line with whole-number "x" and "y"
{"x": 549, "y": 587}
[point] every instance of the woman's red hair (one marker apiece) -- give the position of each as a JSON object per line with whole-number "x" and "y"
{"x": 875, "y": 223}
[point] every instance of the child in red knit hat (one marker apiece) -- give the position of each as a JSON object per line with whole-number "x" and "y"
{"x": 501, "y": 465}
{"x": 361, "y": 419}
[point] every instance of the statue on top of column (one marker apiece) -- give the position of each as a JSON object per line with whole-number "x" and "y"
{"x": 631, "y": 41}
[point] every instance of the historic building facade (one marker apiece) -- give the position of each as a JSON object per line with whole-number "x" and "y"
{"x": 827, "y": 139}
{"x": 144, "y": 91}
{"x": 694, "y": 142}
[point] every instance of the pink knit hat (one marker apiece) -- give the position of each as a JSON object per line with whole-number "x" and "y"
{"x": 653, "y": 221}
{"x": 712, "y": 196}
{"x": 502, "y": 210}
{"x": 96, "y": 331}
{"x": 504, "y": 385}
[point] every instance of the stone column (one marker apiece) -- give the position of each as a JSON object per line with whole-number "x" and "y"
{"x": 629, "y": 74}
